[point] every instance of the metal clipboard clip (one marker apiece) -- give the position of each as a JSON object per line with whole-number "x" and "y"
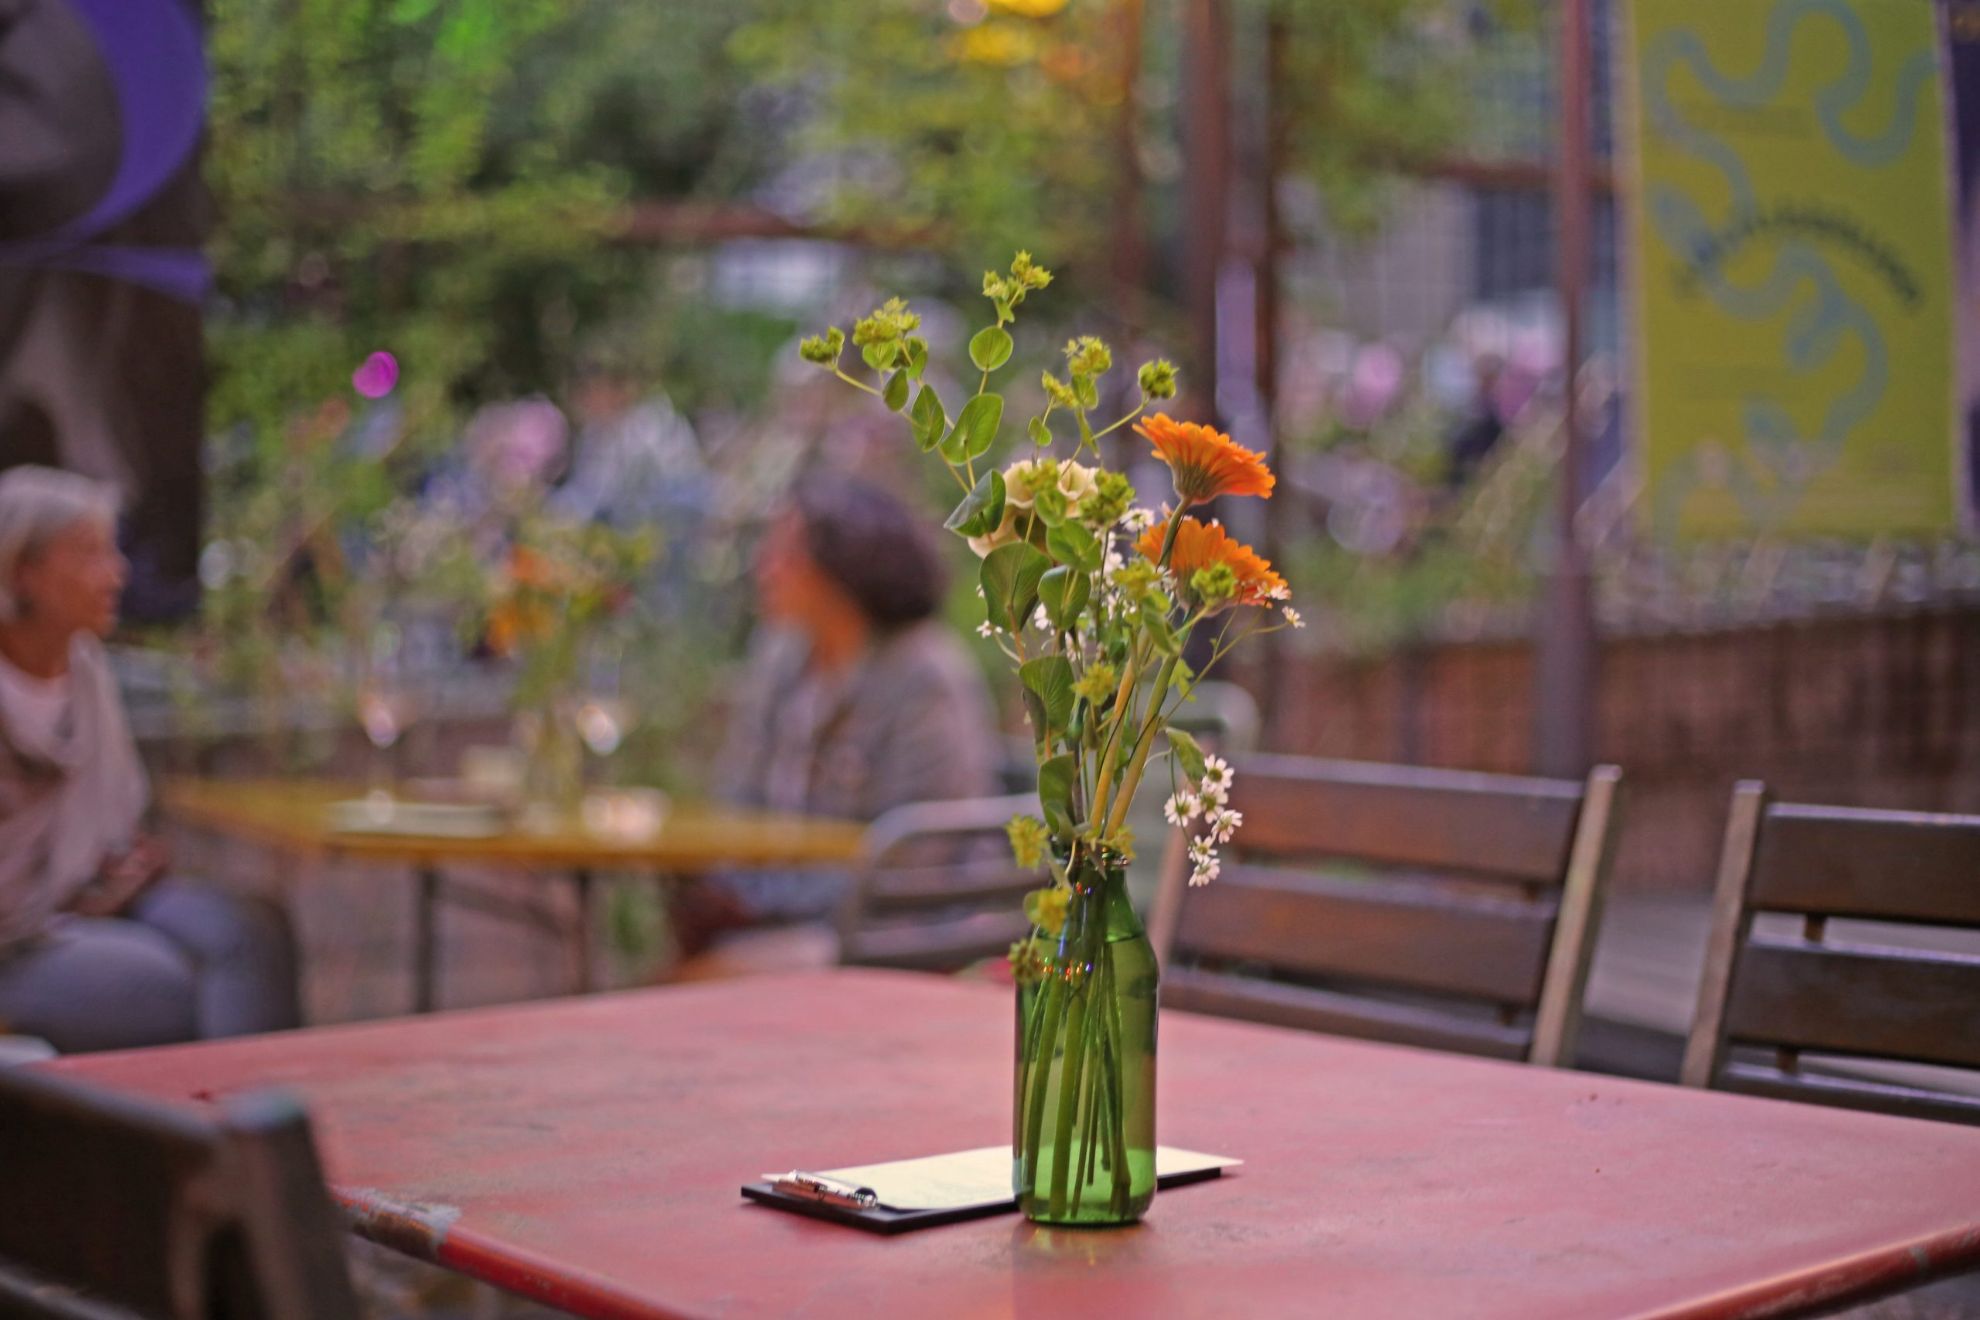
{"x": 831, "y": 1191}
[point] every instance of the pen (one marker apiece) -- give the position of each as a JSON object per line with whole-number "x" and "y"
{"x": 816, "y": 1187}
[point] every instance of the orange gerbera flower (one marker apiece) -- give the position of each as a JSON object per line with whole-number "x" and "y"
{"x": 1205, "y": 461}
{"x": 1201, "y": 545}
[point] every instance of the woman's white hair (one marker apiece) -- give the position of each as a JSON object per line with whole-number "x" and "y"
{"x": 38, "y": 504}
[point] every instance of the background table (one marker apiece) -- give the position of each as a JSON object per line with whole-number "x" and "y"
{"x": 292, "y": 816}
{"x": 588, "y": 1153}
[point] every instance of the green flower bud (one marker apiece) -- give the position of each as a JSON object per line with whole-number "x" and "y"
{"x": 1046, "y": 908}
{"x": 1158, "y": 379}
{"x": 1097, "y": 683}
{"x": 1028, "y": 839}
{"x": 1214, "y": 585}
{"x": 1088, "y": 356}
{"x": 823, "y": 349}
{"x": 1112, "y": 494}
{"x": 1027, "y": 961}
{"x": 1027, "y": 273}
{"x": 888, "y": 323}
{"x": 1137, "y": 580}
{"x": 1060, "y": 393}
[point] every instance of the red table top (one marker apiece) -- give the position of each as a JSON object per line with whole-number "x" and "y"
{"x": 587, "y": 1153}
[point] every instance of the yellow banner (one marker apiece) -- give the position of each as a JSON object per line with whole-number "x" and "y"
{"x": 1793, "y": 267}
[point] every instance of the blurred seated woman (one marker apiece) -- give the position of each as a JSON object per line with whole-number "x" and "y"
{"x": 855, "y": 699}
{"x": 98, "y": 949}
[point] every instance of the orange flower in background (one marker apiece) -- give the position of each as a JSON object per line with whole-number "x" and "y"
{"x": 525, "y": 612}
{"x": 1205, "y": 461}
{"x": 1201, "y": 545}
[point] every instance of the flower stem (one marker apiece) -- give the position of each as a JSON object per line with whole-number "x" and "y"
{"x": 1070, "y": 1075}
{"x": 1038, "y": 1070}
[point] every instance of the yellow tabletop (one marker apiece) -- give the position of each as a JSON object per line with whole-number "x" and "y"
{"x": 294, "y": 815}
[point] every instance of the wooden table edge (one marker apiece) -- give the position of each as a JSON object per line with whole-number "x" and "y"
{"x": 189, "y": 806}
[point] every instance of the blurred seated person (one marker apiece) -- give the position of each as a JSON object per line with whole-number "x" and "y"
{"x": 1481, "y": 429}
{"x": 99, "y": 949}
{"x": 855, "y": 699}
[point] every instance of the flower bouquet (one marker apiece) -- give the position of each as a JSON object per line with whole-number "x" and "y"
{"x": 558, "y": 587}
{"x": 1096, "y": 601}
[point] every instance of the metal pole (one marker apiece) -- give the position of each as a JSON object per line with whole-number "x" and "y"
{"x": 1265, "y": 363}
{"x": 1564, "y": 696}
{"x": 1130, "y": 246}
{"x": 1206, "y": 149}
{"x": 426, "y": 940}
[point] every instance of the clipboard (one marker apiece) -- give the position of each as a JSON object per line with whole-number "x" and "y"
{"x": 939, "y": 1189}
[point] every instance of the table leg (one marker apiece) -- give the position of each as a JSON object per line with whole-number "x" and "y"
{"x": 426, "y": 941}
{"x": 587, "y": 897}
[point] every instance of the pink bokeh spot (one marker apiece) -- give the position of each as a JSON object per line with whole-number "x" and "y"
{"x": 376, "y": 377}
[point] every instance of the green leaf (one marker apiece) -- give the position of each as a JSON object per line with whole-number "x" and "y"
{"x": 1065, "y": 592}
{"x": 982, "y": 510}
{"x": 1155, "y": 623}
{"x": 1010, "y": 583}
{"x": 1040, "y": 433}
{"x": 1056, "y": 778}
{"x": 917, "y": 356}
{"x": 1072, "y": 544}
{"x": 896, "y": 395}
{"x": 1189, "y": 753}
{"x": 1089, "y": 393}
{"x": 1048, "y": 693}
{"x": 880, "y": 355}
{"x": 990, "y": 348}
{"x": 976, "y": 427}
{"x": 928, "y": 419}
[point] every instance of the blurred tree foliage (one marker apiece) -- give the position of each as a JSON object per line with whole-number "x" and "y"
{"x": 442, "y": 179}
{"x": 984, "y": 126}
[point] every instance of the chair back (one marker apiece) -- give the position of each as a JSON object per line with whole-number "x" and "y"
{"x": 113, "y": 1206}
{"x": 1793, "y": 1008}
{"x": 1437, "y": 908}
{"x": 937, "y": 889}
{"x": 1221, "y": 715}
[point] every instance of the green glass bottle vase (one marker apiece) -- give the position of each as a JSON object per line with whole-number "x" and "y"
{"x": 1084, "y": 1148}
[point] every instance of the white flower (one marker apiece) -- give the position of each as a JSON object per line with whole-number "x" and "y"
{"x": 985, "y": 630}
{"x": 1182, "y": 808}
{"x": 1112, "y": 563}
{"x": 1216, "y": 770}
{"x": 1041, "y": 620}
{"x": 1023, "y": 478}
{"x": 1223, "y": 823}
{"x": 1278, "y": 591}
{"x": 1138, "y": 519}
{"x": 1291, "y": 616}
{"x": 1203, "y": 862}
{"x": 1213, "y": 795}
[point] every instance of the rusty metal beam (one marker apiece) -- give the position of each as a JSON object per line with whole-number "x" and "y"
{"x": 1564, "y": 708}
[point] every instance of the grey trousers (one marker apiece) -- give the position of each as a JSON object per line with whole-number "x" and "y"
{"x": 187, "y": 962}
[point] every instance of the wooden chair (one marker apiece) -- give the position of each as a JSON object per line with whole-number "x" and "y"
{"x": 113, "y": 1207}
{"x": 937, "y": 889}
{"x": 1424, "y": 907}
{"x": 1857, "y": 1002}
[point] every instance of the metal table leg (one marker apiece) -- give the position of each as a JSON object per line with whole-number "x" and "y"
{"x": 587, "y": 898}
{"x": 426, "y": 942}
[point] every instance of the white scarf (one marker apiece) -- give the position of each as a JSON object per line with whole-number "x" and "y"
{"x": 69, "y": 800}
